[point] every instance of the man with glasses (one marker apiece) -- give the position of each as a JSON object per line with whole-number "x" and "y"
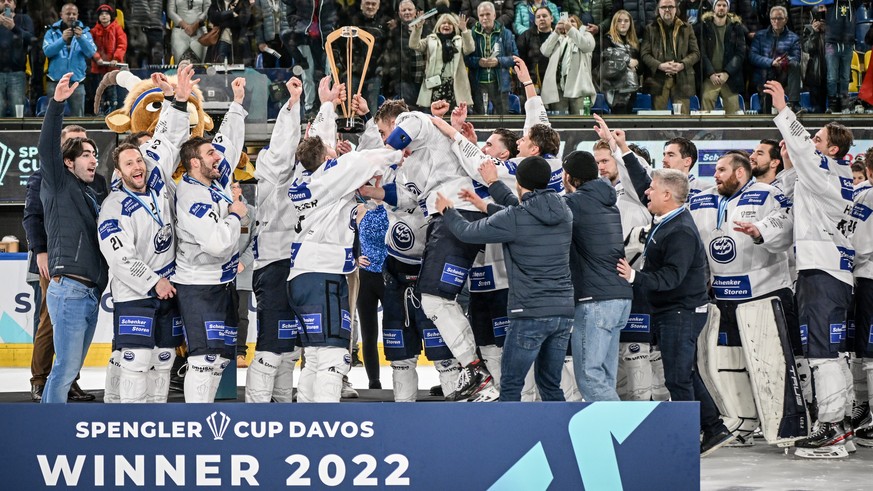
{"x": 775, "y": 54}
{"x": 670, "y": 64}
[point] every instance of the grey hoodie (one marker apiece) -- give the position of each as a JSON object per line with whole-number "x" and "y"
{"x": 536, "y": 236}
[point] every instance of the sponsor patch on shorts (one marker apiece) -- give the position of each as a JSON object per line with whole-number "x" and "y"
{"x": 837, "y": 333}
{"x": 134, "y": 325}
{"x": 214, "y": 330}
{"x": 454, "y": 275}
{"x": 482, "y": 279}
{"x": 432, "y": 339}
{"x": 346, "y": 323}
{"x": 178, "y": 328}
{"x": 230, "y": 335}
{"x": 637, "y": 323}
{"x": 500, "y": 325}
{"x": 393, "y": 338}
{"x": 313, "y": 323}
{"x": 288, "y": 329}
{"x": 804, "y": 334}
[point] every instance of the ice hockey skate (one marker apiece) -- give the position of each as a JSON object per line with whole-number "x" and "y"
{"x": 472, "y": 379}
{"x": 828, "y": 441}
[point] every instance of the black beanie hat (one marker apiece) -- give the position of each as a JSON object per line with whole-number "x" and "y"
{"x": 106, "y": 8}
{"x": 533, "y": 173}
{"x": 581, "y": 165}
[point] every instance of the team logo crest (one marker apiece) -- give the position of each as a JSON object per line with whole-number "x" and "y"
{"x": 402, "y": 235}
{"x": 163, "y": 239}
{"x": 723, "y": 249}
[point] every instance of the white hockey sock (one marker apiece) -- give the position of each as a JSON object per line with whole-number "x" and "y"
{"x": 198, "y": 378}
{"x": 529, "y": 392}
{"x": 283, "y": 383}
{"x": 846, "y": 367}
{"x": 261, "y": 375}
{"x": 159, "y": 375}
{"x": 453, "y": 326}
{"x": 113, "y": 376}
{"x": 306, "y": 384}
{"x": 568, "y": 381}
{"x": 492, "y": 355}
{"x": 133, "y": 385}
{"x": 331, "y": 367}
{"x": 830, "y": 388}
{"x": 659, "y": 383}
{"x": 448, "y": 371}
{"x": 404, "y": 378}
{"x": 217, "y": 372}
{"x": 859, "y": 380}
{"x": 634, "y": 379}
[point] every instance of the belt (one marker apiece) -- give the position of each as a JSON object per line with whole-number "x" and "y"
{"x": 88, "y": 283}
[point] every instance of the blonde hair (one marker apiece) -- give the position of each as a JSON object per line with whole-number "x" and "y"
{"x": 631, "y": 32}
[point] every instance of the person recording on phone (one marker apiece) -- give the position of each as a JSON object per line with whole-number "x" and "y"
{"x": 16, "y": 34}
{"x": 68, "y": 46}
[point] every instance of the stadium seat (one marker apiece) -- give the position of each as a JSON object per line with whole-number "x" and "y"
{"x": 42, "y": 105}
{"x": 855, "y": 83}
{"x": 600, "y": 106}
{"x": 694, "y": 104}
{"x": 742, "y": 102}
{"x": 755, "y": 103}
{"x": 806, "y": 102}
{"x": 643, "y": 102}
{"x": 379, "y": 101}
{"x": 514, "y": 104}
{"x": 259, "y": 61}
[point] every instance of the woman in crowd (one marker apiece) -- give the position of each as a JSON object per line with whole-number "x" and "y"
{"x": 619, "y": 60}
{"x": 525, "y": 12}
{"x": 188, "y": 17}
{"x": 445, "y": 75}
{"x": 372, "y": 226}
{"x": 568, "y": 75}
{"x": 232, "y": 17}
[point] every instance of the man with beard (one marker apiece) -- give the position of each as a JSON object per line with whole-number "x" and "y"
{"x": 771, "y": 165}
{"x": 746, "y": 228}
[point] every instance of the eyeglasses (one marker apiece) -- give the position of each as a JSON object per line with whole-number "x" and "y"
{"x": 777, "y": 18}
{"x": 667, "y": 7}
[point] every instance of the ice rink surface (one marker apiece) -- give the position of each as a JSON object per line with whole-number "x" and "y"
{"x": 760, "y": 467}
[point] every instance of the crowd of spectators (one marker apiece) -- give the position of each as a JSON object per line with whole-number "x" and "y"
{"x": 576, "y": 49}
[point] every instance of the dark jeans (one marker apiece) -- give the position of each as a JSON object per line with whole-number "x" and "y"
{"x": 677, "y": 333}
{"x": 543, "y": 341}
{"x": 370, "y": 294}
{"x": 499, "y": 99}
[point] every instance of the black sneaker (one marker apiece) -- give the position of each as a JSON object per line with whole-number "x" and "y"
{"x": 826, "y": 435}
{"x": 471, "y": 380}
{"x": 715, "y": 442}
{"x": 437, "y": 391}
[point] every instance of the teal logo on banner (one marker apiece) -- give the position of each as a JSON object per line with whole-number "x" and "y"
{"x": 509, "y": 446}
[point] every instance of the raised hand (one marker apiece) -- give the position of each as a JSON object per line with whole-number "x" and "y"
{"x": 64, "y": 89}
{"x": 324, "y": 92}
{"x": 359, "y": 105}
{"x": 185, "y": 83}
{"x": 439, "y": 108}
{"x": 295, "y": 88}
{"x": 776, "y": 92}
{"x": 488, "y": 171}
{"x": 521, "y": 71}
{"x": 239, "y": 89}
{"x": 459, "y": 115}
{"x": 160, "y": 80}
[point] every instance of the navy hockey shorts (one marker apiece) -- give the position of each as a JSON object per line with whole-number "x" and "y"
{"x": 146, "y": 323}
{"x": 447, "y": 261}
{"x": 639, "y": 324}
{"x": 823, "y": 302}
{"x": 404, "y": 324}
{"x": 205, "y": 313}
{"x": 488, "y": 317}
{"x": 864, "y": 317}
{"x": 320, "y": 303}
{"x": 729, "y": 331}
{"x": 277, "y": 327}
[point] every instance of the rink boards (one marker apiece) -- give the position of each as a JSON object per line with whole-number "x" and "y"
{"x": 524, "y": 446}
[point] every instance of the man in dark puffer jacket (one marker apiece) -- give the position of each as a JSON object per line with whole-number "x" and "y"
{"x": 536, "y": 235}
{"x": 603, "y": 299}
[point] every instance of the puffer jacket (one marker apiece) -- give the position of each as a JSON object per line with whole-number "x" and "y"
{"x": 598, "y": 243}
{"x": 111, "y": 42}
{"x": 767, "y": 46}
{"x": 524, "y": 18}
{"x": 840, "y": 19}
{"x": 64, "y": 58}
{"x": 653, "y": 53}
{"x": 734, "y": 49}
{"x": 536, "y": 236}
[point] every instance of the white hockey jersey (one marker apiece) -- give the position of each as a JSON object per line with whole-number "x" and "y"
{"x": 739, "y": 268}
{"x": 862, "y": 226}
{"x": 785, "y": 182}
{"x": 326, "y": 208}
{"x": 136, "y": 232}
{"x": 407, "y": 226}
{"x": 274, "y": 170}
{"x": 822, "y": 204}
{"x": 633, "y": 212}
{"x": 208, "y": 237}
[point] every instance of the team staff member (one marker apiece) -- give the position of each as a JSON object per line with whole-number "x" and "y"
{"x": 208, "y": 228}
{"x": 674, "y": 275}
{"x": 79, "y": 272}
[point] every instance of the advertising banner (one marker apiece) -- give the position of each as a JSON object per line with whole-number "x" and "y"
{"x": 524, "y": 446}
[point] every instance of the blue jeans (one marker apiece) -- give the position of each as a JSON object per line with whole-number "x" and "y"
{"x": 76, "y": 101}
{"x": 677, "y": 332}
{"x": 595, "y": 347}
{"x": 73, "y": 308}
{"x": 11, "y": 92}
{"x": 839, "y": 65}
{"x": 542, "y": 340}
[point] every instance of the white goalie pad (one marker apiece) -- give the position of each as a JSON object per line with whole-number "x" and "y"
{"x": 772, "y": 371}
{"x": 723, "y": 371}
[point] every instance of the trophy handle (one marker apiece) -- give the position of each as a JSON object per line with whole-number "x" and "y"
{"x": 328, "y": 48}
{"x": 349, "y": 32}
{"x": 370, "y": 41}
